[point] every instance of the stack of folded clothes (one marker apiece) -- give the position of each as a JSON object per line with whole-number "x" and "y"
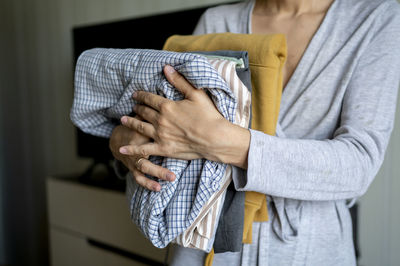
{"x": 186, "y": 210}
{"x": 201, "y": 208}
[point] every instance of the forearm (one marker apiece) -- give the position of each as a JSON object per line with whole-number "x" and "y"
{"x": 228, "y": 143}
{"x": 304, "y": 169}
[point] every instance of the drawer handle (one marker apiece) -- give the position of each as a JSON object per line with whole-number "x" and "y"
{"x": 123, "y": 253}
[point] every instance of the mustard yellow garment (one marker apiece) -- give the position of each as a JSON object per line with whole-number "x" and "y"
{"x": 209, "y": 259}
{"x": 267, "y": 55}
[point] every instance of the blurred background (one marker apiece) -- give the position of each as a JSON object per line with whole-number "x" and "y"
{"x": 38, "y": 141}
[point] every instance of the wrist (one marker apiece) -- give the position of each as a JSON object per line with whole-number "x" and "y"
{"x": 228, "y": 143}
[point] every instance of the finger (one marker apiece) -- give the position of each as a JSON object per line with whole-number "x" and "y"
{"x": 150, "y": 99}
{"x": 179, "y": 82}
{"x": 143, "y": 150}
{"x": 142, "y": 180}
{"x": 142, "y": 127}
{"x": 147, "y": 113}
{"x": 147, "y": 167}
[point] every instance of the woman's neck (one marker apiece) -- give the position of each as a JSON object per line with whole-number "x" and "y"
{"x": 291, "y": 8}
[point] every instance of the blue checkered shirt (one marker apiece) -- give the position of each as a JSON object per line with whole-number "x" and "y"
{"x": 105, "y": 80}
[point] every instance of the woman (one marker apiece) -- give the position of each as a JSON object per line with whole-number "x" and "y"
{"x": 337, "y": 112}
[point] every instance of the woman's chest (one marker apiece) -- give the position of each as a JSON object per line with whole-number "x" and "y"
{"x": 311, "y": 105}
{"x": 298, "y": 32}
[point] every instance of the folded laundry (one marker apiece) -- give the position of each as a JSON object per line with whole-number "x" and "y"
{"x": 267, "y": 55}
{"x": 104, "y": 82}
{"x": 201, "y": 233}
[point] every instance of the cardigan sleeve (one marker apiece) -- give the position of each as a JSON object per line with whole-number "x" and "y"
{"x": 201, "y": 27}
{"x": 344, "y": 166}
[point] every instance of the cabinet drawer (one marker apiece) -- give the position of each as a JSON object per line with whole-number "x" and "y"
{"x": 69, "y": 249}
{"x": 97, "y": 213}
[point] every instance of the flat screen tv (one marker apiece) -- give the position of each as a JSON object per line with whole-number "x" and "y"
{"x": 148, "y": 32}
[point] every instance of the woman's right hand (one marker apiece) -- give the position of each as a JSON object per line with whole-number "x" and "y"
{"x": 139, "y": 166}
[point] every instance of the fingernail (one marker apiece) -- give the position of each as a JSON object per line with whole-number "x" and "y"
{"x": 170, "y": 176}
{"x": 156, "y": 188}
{"x": 169, "y": 69}
{"x": 124, "y": 120}
{"x": 123, "y": 150}
{"x": 134, "y": 95}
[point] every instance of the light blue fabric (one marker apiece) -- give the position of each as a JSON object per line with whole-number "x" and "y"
{"x": 104, "y": 82}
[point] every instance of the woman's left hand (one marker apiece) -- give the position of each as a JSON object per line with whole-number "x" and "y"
{"x": 183, "y": 129}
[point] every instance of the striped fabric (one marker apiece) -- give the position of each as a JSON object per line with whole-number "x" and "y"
{"x": 104, "y": 82}
{"x": 242, "y": 95}
{"x": 200, "y": 234}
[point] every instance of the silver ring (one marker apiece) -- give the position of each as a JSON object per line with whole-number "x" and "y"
{"x": 138, "y": 162}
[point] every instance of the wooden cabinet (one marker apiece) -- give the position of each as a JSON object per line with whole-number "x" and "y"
{"x": 91, "y": 226}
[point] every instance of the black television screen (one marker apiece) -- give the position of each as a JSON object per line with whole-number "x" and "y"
{"x": 148, "y": 32}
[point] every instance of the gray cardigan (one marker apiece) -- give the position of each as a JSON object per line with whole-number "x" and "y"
{"x": 335, "y": 121}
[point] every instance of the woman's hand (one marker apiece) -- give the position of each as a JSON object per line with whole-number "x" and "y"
{"x": 188, "y": 129}
{"x": 177, "y": 128}
{"x": 138, "y": 165}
